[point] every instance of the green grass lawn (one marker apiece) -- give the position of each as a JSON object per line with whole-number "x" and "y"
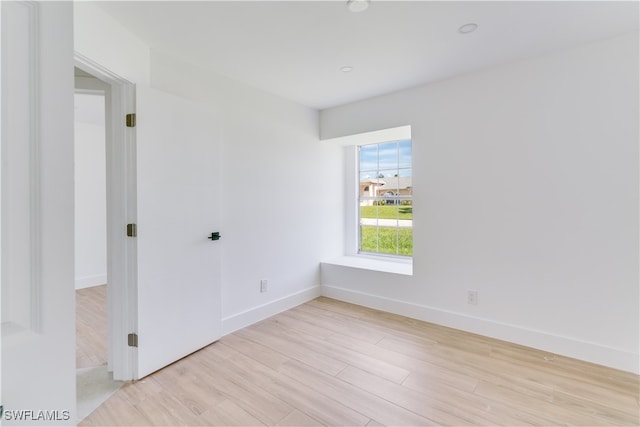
{"x": 386, "y": 212}
{"x": 397, "y": 241}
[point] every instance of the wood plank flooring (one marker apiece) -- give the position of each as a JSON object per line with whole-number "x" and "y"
{"x": 331, "y": 363}
{"x": 91, "y": 327}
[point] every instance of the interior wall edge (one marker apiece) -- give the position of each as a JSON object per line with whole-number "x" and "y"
{"x": 256, "y": 314}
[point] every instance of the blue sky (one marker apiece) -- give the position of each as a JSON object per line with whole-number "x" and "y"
{"x": 385, "y": 158}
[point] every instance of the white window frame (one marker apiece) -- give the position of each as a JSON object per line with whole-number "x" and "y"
{"x": 352, "y": 183}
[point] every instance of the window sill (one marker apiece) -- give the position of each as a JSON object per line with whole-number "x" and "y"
{"x": 382, "y": 264}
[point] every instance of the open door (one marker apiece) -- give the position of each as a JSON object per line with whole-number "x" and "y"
{"x": 36, "y": 214}
{"x": 178, "y": 264}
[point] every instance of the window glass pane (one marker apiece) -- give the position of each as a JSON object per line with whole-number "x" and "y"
{"x": 388, "y": 155}
{"x": 389, "y": 183}
{"x": 386, "y": 211}
{"x": 369, "y": 159}
{"x": 404, "y": 154}
{"x": 368, "y": 212}
{"x": 369, "y": 238}
{"x": 368, "y": 175}
{"x": 405, "y": 241}
{"x": 405, "y": 184}
{"x": 405, "y": 212}
{"x": 388, "y": 240}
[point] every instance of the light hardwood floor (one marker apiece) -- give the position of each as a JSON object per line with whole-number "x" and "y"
{"x": 91, "y": 327}
{"x": 331, "y": 363}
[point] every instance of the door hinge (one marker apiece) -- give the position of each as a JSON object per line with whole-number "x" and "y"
{"x": 132, "y": 230}
{"x": 132, "y": 340}
{"x": 131, "y": 120}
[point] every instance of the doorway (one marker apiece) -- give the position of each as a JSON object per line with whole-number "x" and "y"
{"x": 119, "y": 160}
{"x": 161, "y": 175}
{"x": 94, "y": 380}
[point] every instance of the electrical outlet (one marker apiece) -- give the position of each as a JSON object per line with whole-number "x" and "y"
{"x": 472, "y": 297}
{"x": 264, "y": 285}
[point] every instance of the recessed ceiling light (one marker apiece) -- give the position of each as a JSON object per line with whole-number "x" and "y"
{"x": 468, "y": 28}
{"x": 357, "y": 5}
{"x": 346, "y": 69}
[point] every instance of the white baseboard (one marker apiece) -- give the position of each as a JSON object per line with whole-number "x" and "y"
{"x": 89, "y": 281}
{"x": 560, "y": 345}
{"x": 248, "y": 317}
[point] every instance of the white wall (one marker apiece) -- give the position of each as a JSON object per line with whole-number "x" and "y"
{"x": 526, "y": 189}
{"x": 281, "y": 203}
{"x": 90, "y": 191}
{"x": 281, "y": 190}
{"x": 105, "y": 41}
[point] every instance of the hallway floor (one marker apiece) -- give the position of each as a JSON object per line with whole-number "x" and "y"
{"x": 94, "y": 384}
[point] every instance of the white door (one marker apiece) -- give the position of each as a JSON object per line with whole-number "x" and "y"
{"x": 36, "y": 175}
{"x": 177, "y": 209}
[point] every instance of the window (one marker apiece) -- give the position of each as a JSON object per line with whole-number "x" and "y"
{"x": 385, "y": 214}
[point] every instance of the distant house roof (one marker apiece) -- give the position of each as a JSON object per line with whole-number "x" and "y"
{"x": 391, "y": 183}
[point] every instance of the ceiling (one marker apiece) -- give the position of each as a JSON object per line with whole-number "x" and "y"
{"x": 296, "y": 49}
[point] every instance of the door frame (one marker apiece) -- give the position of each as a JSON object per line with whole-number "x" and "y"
{"x": 121, "y": 210}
